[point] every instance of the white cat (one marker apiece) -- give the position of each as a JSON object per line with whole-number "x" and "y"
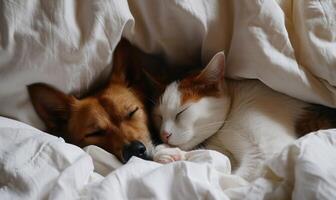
{"x": 245, "y": 120}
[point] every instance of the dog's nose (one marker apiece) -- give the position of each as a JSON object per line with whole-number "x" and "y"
{"x": 165, "y": 135}
{"x": 135, "y": 148}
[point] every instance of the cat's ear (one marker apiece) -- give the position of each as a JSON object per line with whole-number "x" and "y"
{"x": 52, "y": 105}
{"x": 215, "y": 70}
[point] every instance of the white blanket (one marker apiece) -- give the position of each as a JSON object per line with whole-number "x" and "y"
{"x": 290, "y": 45}
{"x": 34, "y": 165}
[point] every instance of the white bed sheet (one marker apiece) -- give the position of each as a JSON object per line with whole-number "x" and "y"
{"x": 35, "y": 165}
{"x": 290, "y": 45}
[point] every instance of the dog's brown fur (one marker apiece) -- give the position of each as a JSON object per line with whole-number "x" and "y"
{"x": 110, "y": 118}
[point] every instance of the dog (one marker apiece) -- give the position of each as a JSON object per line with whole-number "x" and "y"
{"x": 115, "y": 117}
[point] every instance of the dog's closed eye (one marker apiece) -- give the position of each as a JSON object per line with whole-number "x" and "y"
{"x": 132, "y": 112}
{"x": 97, "y": 133}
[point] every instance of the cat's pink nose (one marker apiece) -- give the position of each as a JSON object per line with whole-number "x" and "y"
{"x": 164, "y": 136}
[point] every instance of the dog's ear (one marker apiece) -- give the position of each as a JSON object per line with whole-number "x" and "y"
{"x": 121, "y": 62}
{"x": 154, "y": 85}
{"x": 52, "y": 105}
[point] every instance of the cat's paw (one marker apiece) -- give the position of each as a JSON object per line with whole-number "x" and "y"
{"x": 165, "y": 154}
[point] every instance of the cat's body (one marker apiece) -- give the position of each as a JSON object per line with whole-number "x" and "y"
{"x": 259, "y": 124}
{"x": 245, "y": 120}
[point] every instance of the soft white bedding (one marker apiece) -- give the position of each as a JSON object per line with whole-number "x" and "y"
{"x": 290, "y": 45}
{"x": 34, "y": 165}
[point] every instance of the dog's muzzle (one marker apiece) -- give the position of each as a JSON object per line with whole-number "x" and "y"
{"x": 135, "y": 148}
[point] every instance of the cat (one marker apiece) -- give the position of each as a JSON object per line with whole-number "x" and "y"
{"x": 243, "y": 119}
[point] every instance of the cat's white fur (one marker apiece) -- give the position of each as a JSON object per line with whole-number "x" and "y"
{"x": 194, "y": 125}
{"x": 249, "y": 122}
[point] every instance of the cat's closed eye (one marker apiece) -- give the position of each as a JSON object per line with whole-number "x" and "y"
{"x": 180, "y": 113}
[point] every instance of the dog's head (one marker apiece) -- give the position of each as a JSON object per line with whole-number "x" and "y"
{"x": 114, "y": 118}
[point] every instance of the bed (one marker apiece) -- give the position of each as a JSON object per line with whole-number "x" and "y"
{"x": 290, "y": 45}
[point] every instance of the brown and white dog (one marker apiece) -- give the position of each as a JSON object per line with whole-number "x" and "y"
{"x": 113, "y": 118}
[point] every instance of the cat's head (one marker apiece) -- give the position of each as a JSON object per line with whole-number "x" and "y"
{"x": 194, "y": 108}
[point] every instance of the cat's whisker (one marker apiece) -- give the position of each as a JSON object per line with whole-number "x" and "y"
{"x": 206, "y": 126}
{"x": 210, "y": 124}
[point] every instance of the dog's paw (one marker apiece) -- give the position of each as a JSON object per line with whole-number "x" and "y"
{"x": 165, "y": 154}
